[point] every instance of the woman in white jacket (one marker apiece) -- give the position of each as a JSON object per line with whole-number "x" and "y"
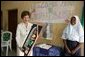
{"x": 23, "y": 29}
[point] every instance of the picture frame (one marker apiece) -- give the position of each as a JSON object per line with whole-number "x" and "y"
{"x": 31, "y": 38}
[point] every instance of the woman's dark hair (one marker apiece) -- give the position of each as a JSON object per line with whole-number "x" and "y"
{"x": 24, "y": 13}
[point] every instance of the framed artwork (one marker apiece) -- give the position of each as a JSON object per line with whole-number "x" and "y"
{"x": 31, "y": 38}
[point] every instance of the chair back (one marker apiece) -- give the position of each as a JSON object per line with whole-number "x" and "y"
{"x": 6, "y": 35}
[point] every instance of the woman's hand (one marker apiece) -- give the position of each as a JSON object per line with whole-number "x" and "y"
{"x": 68, "y": 50}
{"x": 26, "y": 51}
{"x": 73, "y": 51}
{"x": 67, "y": 21}
{"x": 21, "y": 49}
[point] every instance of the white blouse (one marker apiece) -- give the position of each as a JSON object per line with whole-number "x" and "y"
{"x": 74, "y": 35}
{"x": 22, "y": 32}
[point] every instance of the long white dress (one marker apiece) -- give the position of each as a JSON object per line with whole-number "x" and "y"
{"x": 21, "y": 34}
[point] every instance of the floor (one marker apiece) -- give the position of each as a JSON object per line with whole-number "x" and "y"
{"x": 10, "y": 53}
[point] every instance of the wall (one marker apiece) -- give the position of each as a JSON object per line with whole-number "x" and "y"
{"x": 57, "y": 28}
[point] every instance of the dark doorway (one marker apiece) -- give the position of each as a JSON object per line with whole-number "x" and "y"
{"x": 12, "y": 25}
{"x": 1, "y": 21}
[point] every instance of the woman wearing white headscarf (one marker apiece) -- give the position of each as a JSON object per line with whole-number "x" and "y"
{"x": 73, "y": 36}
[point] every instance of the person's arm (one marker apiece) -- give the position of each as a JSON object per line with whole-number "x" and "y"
{"x": 18, "y": 36}
{"x": 68, "y": 50}
{"x": 18, "y": 40}
{"x": 74, "y": 50}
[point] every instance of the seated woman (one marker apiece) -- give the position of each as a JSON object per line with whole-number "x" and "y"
{"x": 73, "y": 36}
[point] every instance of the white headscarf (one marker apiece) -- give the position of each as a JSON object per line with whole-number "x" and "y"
{"x": 76, "y": 29}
